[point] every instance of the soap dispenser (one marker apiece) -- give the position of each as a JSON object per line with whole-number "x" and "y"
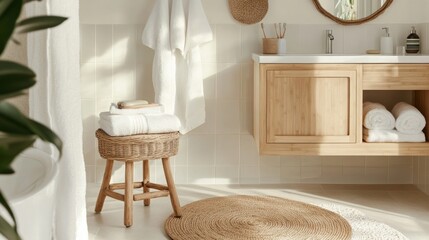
{"x": 386, "y": 43}
{"x": 413, "y": 42}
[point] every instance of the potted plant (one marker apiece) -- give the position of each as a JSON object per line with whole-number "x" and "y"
{"x": 18, "y": 132}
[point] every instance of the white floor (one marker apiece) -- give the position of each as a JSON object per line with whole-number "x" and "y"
{"x": 402, "y": 207}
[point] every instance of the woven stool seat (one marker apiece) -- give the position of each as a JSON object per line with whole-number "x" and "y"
{"x": 128, "y": 149}
{"x": 137, "y": 147}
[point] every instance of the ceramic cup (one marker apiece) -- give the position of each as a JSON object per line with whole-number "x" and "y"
{"x": 274, "y": 46}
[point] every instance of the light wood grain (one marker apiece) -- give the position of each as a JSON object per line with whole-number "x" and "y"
{"x": 311, "y": 105}
{"x": 171, "y": 187}
{"x": 422, "y": 103}
{"x": 116, "y": 186}
{"x": 156, "y": 186}
{"x": 289, "y": 102}
{"x": 128, "y": 196}
{"x": 104, "y": 186}
{"x": 353, "y": 149}
{"x": 115, "y": 195}
{"x": 146, "y": 179}
{"x": 149, "y": 195}
{"x": 395, "y": 77}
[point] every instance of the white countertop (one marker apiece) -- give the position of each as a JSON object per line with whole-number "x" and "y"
{"x": 335, "y": 58}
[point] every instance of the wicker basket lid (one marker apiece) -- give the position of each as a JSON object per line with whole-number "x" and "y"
{"x": 248, "y": 11}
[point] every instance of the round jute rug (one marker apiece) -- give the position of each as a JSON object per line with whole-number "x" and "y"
{"x": 256, "y": 218}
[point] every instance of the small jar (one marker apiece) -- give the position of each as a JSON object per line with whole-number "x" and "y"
{"x": 413, "y": 42}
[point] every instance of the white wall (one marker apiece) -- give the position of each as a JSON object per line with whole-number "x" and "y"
{"x": 290, "y": 11}
{"x": 115, "y": 66}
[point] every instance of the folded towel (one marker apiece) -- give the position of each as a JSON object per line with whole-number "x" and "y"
{"x": 391, "y": 136}
{"x": 376, "y": 116}
{"x": 149, "y": 109}
{"x": 123, "y": 125}
{"x": 132, "y": 104}
{"x": 409, "y": 120}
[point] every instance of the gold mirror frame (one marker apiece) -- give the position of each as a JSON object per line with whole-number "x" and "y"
{"x": 352, "y": 22}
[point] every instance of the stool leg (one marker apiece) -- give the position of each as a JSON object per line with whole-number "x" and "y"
{"x": 128, "y": 198}
{"x": 104, "y": 186}
{"x": 171, "y": 187}
{"x": 146, "y": 177}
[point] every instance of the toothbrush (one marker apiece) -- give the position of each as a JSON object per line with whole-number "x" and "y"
{"x": 284, "y": 30}
{"x": 263, "y": 30}
{"x": 275, "y": 27}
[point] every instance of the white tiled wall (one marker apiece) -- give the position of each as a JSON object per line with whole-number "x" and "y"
{"x": 115, "y": 66}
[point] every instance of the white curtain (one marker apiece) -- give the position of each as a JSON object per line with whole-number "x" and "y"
{"x": 55, "y": 101}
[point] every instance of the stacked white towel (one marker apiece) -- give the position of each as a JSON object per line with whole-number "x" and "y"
{"x": 123, "y": 124}
{"x": 409, "y": 119}
{"x": 391, "y": 136}
{"x": 377, "y": 117}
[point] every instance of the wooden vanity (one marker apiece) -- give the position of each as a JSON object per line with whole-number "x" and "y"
{"x": 312, "y": 104}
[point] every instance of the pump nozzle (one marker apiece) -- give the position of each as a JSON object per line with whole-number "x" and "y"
{"x": 387, "y": 31}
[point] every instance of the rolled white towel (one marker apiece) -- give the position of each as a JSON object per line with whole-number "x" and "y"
{"x": 376, "y": 116}
{"x": 123, "y": 125}
{"x": 150, "y": 109}
{"x": 391, "y": 136}
{"x": 409, "y": 119}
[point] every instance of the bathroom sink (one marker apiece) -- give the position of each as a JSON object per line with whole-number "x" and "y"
{"x": 339, "y": 58}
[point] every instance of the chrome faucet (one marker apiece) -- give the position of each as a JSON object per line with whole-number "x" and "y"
{"x": 329, "y": 39}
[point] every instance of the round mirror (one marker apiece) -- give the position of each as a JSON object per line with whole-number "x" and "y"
{"x": 352, "y": 11}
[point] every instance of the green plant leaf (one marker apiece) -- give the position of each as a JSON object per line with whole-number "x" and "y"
{"x": 4, "y": 4}
{"x": 7, "y": 230}
{"x": 46, "y": 134}
{"x": 39, "y": 23}
{"x": 10, "y": 147}
{"x": 12, "y": 121}
{"x": 11, "y": 95}
{"x": 6, "y": 206}
{"x": 15, "y": 77}
{"x": 8, "y": 17}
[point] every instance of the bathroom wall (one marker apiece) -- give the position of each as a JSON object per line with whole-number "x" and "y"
{"x": 116, "y": 66}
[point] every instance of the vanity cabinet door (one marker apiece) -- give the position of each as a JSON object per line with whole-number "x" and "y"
{"x": 311, "y": 105}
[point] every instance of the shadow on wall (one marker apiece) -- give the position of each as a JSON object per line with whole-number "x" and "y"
{"x": 116, "y": 66}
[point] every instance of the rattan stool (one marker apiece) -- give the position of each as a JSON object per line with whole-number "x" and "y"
{"x": 130, "y": 149}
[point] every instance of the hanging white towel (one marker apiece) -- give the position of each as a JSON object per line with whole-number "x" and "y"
{"x": 177, "y": 27}
{"x": 198, "y": 29}
{"x": 156, "y": 35}
{"x": 191, "y": 103}
{"x": 376, "y": 116}
{"x": 409, "y": 120}
{"x": 177, "y": 69}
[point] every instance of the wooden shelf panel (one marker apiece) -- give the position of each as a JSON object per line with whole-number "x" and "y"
{"x": 358, "y": 149}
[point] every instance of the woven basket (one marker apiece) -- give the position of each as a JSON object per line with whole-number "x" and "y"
{"x": 248, "y": 11}
{"x": 137, "y": 147}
